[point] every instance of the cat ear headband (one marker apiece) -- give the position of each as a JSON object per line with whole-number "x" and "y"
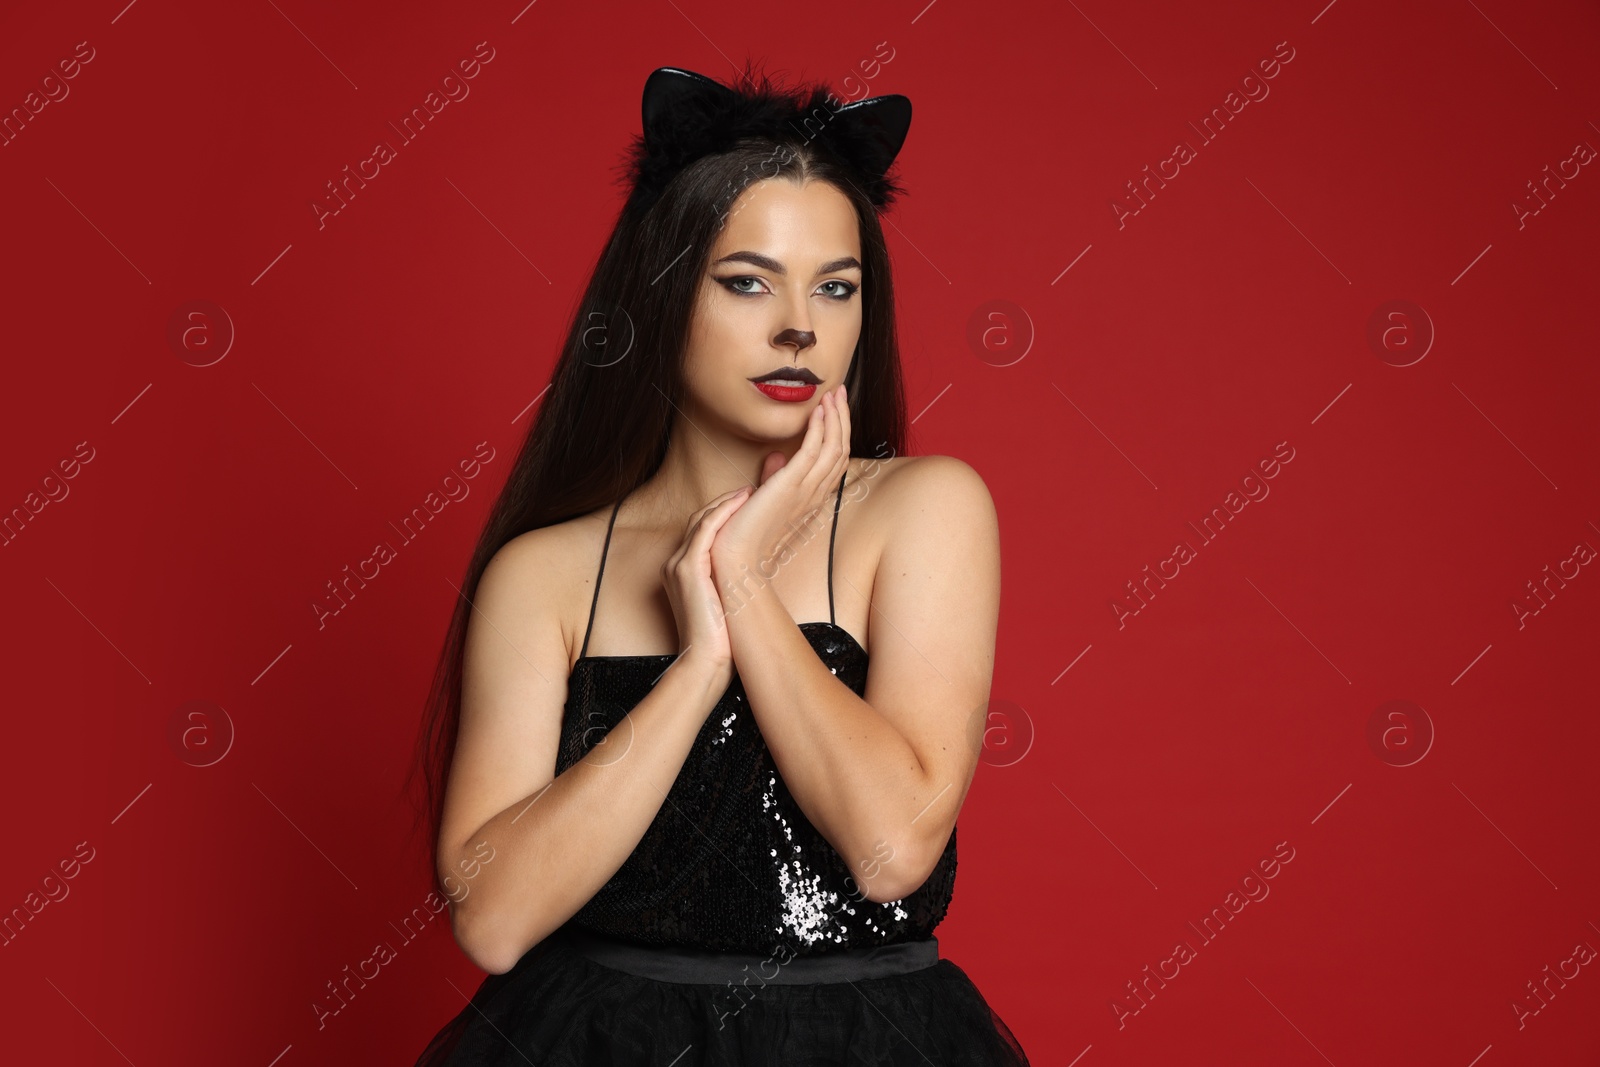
{"x": 688, "y": 116}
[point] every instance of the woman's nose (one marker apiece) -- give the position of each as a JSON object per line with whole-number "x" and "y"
{"x": 801, "y": 339}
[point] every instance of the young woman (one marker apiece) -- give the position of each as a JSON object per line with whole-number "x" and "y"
{"x": 691, "y": 820}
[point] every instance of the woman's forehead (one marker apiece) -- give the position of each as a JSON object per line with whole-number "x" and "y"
{"x": 799, "y": 225}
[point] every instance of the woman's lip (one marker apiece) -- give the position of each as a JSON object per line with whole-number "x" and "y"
{"x": 789, "y": 394}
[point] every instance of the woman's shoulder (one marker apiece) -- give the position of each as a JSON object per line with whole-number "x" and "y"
{"x": 548, "y": 571}
{"x": 914, "y": 482}
{"x": 554, "y": 554}
{"x": 933, "y": 466}
{"x": 904, "y": 492}
{"x": 551, "y": 561}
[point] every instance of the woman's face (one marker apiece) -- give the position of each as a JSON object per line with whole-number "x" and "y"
{"x": 781, "y": 292}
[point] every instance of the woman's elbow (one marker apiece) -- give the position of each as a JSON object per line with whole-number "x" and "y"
{"x": 483, "y": 947}
{"x": 894, "y": 877}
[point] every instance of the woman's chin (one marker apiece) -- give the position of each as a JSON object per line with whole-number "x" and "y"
{"x": 774, "y": 423}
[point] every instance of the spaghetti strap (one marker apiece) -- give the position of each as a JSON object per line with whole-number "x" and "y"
{"x": 831, "y": 536}
{"x": 606, "y": 549}
{"x": 598, "y": 575}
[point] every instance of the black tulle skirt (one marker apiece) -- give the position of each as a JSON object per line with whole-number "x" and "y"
{"x": 576, "y": 998}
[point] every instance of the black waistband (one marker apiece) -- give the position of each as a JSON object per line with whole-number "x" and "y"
{"x": 674, "y": 963}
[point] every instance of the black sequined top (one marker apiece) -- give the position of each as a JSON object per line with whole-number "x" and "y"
{"x": 730, "y": 862}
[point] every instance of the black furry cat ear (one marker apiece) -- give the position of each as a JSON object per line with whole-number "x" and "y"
{"x": 686, "y": 115}
{"x": 669, "y": 94}
{"x": 878, "y": 126}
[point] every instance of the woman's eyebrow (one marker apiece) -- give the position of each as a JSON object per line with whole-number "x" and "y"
{"x": 768, "y": 263}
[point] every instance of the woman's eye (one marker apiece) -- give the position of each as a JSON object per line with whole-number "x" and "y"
{"x": 733, "y": 284}
{"x": 844, "y": 290}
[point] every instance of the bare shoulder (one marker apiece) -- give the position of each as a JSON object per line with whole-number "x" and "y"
{"x": 557, "y": 547}
{"x": 925, "y": 492}
{"x": 545, "y": 556}
{"x": 545, "y": 571}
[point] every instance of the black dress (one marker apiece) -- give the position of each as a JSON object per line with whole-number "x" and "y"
{"x": 734, "y": 933}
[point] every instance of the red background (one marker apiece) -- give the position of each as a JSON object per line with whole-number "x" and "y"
{"x": 1110, "y": 405}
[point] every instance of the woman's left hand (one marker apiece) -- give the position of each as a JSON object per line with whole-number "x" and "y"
{"x": 791, "y": 490}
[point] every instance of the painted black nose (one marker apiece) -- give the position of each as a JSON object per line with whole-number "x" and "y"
{"x": 801, "y": 339}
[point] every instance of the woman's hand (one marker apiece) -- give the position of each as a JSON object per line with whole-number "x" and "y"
{"x": 790, "y": 492}
{"x": 692, "y": 590}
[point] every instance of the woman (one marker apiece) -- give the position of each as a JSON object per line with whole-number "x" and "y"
{"x": 723, "y": 839}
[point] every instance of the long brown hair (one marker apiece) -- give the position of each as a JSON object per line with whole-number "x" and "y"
{"x": 605, "y": 422}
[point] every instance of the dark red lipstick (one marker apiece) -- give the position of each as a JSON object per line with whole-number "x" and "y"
{"x": 789, "y": 385}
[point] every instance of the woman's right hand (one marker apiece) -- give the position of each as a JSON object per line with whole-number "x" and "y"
{"x": 692, "y": 589}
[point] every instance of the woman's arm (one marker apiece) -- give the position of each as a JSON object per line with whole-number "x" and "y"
{"x": 883, "y": 778}
{"x": 555, "y": 840}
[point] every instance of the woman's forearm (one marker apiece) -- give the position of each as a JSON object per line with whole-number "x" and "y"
{"x": 854, "y": 775}
{"x": 557, "y": 847}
